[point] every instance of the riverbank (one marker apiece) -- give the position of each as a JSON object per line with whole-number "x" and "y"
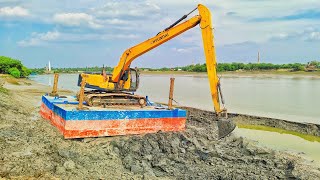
{"x": 271, "y": 73}
{"x": 32, "y": 148}
{"x": 267, "y": 73}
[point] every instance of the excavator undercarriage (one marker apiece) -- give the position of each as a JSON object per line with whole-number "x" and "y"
{"x": 98, "y": 98}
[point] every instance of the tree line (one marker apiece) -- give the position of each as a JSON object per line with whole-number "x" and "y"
{"x": 13, "y": 67}
{"x": 221, "y": 67}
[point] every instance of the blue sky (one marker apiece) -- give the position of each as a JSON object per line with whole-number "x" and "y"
{"x": 79, "y": 33}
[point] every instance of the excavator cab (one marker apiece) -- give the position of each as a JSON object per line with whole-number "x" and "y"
{"x": 131, "y": 75}
{"x": 130, "y": 79}
{"x": 134, "y": 79}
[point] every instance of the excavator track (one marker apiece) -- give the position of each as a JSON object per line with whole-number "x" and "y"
{"x": 103, "y": 99}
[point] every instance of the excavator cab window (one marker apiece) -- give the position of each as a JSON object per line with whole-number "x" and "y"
{"x": 134, "y": 77}
{"x": 125, "y": 75}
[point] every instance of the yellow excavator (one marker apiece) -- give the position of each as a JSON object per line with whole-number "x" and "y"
{"x": 117, "y": 88}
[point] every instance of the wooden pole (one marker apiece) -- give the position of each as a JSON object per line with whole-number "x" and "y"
{"x": 55, "y": 85}
{"x": 81, "y": 93}
{"x": 171, "y": 93}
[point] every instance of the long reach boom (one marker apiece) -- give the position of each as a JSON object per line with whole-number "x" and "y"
{"x": 121, "y": 80}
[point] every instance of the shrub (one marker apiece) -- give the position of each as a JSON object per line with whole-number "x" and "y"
{"x": 14, "y": 72}
{"x": 25, "y": 71}
{"x": 3, "y": 90}
{"x": 297, "y": 67}
{"x": 13, "y": 67}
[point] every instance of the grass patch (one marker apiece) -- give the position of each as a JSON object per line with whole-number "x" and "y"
{"x": 27, "y": 83}
{"x": 12, "y": 81}
{"x": 3, "y": 90}
{"x": 281, "y": 131}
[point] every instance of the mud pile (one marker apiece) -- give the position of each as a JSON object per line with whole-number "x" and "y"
{"x": 196, "y": 154}
{"x": 31, "y": 148}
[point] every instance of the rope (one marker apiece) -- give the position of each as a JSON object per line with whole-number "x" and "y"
{"x": 176, "y": 101}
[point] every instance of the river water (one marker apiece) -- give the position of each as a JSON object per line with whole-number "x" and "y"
{"x": 290, "y": 98}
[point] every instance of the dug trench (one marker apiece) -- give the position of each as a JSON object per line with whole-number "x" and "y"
{"x": 32, "y": 148}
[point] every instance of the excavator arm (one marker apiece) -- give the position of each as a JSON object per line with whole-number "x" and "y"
{"x": 204, "y": 19}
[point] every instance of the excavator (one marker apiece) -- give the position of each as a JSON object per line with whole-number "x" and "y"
{"x": 118, "y": 88}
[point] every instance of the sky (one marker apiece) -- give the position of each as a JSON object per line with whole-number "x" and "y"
{"x": 80, "y": 33}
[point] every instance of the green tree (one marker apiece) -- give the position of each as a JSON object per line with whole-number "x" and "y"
{"x": 13, "y": 67}
{"x": 14, "y": 72}
{"x": 25, "y": 72}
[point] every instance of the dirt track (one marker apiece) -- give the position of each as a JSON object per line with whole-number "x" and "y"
{"x": 31, "y": 147}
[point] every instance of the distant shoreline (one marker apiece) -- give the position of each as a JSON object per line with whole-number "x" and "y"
{"x": 298, "y": 74}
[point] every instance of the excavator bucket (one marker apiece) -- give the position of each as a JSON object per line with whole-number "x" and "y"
{"x": 225, "y": 127}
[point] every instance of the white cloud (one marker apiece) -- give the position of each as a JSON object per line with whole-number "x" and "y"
{"x": 119, "y": 36}
{"x": 116, "y": 21}
{"x": 128, "y": 8}
{"x": 282, "y": 36}
{"x": 39, "y": 38}
{"x": 314, "y": 35}
{"x": 67, "y": 37}
{"x": 76, "y": 19}
{"x": 307, "y": 34}
{"x": 16, "y": 11}
{"x": 185, "y": 50}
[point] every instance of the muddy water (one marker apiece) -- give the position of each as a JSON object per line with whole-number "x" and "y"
{"x": 284, "y": 142}
{"x": 284, "y": 98}
{"x": 294, "y": 99}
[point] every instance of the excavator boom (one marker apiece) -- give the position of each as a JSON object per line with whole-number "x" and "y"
{"x": 204, "y": 19}
{"x": 132, "y": 53}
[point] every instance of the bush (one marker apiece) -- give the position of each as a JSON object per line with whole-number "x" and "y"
{"x": 25, "y": 72}
{"x": 13, "y": 67}
{"x": 297, "y": 67}
{"x": 14, "y": 72}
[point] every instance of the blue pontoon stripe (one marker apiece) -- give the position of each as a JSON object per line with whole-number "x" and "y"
{"x": 111, "y": 114}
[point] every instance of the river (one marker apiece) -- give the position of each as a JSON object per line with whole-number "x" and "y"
{"x": 284, "y": 97}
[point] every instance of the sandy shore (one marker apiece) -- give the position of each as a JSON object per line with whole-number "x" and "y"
{"x": 32, "y": 148}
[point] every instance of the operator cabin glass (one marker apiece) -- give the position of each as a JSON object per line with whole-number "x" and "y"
{"x": 133, "y": 79}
